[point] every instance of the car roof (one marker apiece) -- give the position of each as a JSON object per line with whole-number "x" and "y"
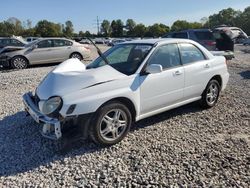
{"x": 158, "y": 40}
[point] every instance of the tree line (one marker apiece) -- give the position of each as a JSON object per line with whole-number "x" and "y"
{"x": 117, "y": 28}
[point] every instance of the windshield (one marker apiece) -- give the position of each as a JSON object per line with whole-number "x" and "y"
{"x": 125, "y": 58}
{"x": 30, "y": 44}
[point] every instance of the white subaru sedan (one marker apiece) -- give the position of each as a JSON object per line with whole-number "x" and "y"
{"x": 129, "y": 82}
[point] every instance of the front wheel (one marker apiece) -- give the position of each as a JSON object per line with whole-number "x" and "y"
{"x": 211, "y": 94}
{"x": 19, "y": 62}
{"x": 111, "y": 124}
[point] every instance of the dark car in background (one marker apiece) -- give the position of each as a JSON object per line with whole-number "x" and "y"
{"x": 203, "y": 36}
{"x": 12, "y": 41}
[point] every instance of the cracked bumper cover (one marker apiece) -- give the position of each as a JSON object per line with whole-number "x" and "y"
{"x": 51, "y": 127}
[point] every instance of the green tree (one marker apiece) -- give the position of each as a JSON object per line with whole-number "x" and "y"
{"x": 18, "y": 28}
{"x": 226, "y": 16}
{"x": 106, "y": 28}
{"x": 140, "y": 30}
{"x": 69, "y": 29}
{"x": 243, "y": 20}
{"x": 88, "y": 34}
{"x": 130, "y": 25}
{"x": 45, "y": 28}
{"x": 117, "y": 28}
{"x": 157, "y": 30}
{"x": 183, "y": 24}
{"x": 81, "y": 34}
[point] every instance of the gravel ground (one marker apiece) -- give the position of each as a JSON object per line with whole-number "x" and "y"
{"x": 183, "y": 147}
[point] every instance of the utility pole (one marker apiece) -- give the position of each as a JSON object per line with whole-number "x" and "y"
{"x": 98, "y": 25}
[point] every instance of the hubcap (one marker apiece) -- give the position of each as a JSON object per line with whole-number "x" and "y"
{"x": 19, "y": 63}
{"x": 113, "y": 124}
{"x": 212, "y": 94}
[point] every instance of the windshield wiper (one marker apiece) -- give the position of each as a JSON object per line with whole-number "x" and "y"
{"x": 99, "y": 52}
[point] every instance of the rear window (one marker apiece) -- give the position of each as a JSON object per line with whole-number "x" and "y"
{"x": 204, "y": 35}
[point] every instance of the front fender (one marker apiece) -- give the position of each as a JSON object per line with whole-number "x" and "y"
{"x": 88, "y": 100}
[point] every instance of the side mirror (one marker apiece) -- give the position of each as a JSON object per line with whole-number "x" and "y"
{"x": 34, "y": 46}
{"x": 154, "y": 68}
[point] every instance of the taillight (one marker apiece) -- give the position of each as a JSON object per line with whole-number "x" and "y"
{"x": 210, "y": 43}
{"x": 87, "y": 47}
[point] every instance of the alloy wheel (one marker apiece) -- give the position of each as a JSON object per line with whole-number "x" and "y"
{"x": 212, "y": 94}
{"x": 113, "y": 124}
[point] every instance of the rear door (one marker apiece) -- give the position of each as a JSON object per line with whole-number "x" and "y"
{"x": 62, "y": 49}
{"x": 197, "y": 70}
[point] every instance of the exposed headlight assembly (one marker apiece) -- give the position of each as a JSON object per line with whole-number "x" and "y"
{"x": 52, "y": 105}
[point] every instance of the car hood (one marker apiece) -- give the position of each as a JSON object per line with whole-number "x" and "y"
{"x": 71, "y": 76}
{"x": 7, "y": 49}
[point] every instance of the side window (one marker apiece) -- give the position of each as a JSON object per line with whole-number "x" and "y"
{"x": 60, "y": 43}
{"x": 190, "y": 53}
{"x": 68, "y": 43}
{"x": 45, "y": 44}
{"x": 182, "y": 35}
{"x": 168, "y": 56}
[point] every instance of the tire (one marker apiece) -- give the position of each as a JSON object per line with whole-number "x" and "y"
{"x": 111, "y": 123}
{"x": 211, "y": 94}
{"x": 76, "y": 55}
{"x": 19, "y": 62}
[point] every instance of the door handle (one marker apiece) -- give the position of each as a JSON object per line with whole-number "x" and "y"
{"x": 177, "y": 73}
{"x": 206, "y": 65}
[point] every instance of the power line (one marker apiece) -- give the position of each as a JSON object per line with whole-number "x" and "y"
{"x": 98, "y": 23}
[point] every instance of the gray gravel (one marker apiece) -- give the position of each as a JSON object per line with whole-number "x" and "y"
{"x": 180, "y": 148}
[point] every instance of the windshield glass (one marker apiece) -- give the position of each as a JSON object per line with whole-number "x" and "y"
{"x": 125, "y": 58}
{"x": 30, "y": 44}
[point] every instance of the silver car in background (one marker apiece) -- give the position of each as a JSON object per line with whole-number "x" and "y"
{"x": 43, "y": 51}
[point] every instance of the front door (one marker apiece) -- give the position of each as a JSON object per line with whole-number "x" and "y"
{"x": 166, "y": 88}
{"x": 43, "y": 53}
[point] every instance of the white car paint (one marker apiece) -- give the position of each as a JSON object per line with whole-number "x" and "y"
{"x": 150, "y": 94}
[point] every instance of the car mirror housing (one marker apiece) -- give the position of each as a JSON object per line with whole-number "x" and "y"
{"x": 34, "y": 47}
{"x": 154, "y": 68}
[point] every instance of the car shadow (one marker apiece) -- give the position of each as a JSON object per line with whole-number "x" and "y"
{"x": 245, "y": 74}
{"x": 25, "y": 149}
{"x": 189, "y": 108}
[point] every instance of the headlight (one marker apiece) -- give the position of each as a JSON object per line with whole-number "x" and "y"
{"x": 51, "y": 105}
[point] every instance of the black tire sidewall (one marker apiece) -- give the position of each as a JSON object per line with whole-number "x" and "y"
{"x": 13, "y": 59}
{"x": 81, "y": 58}
{"x": 95, "y": 127}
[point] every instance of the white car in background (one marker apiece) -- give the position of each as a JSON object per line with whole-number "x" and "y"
{"x": 129, "y": 82}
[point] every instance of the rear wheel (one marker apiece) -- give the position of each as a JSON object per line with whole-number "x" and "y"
{"x": 111, "y": 124}
{"x": 76, "y": 55}
{"x": 19, "y": 62}
{"x": 211, "y": 94}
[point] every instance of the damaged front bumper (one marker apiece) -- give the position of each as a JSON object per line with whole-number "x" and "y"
{"x": 4, "y": 61}
{"x": 51, "y": 126}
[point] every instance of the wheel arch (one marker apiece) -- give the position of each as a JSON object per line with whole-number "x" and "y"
{"x": 218, "y": 78}
{"x": 22, "y": 57}
{"x": 75, "y": 52}
{"x": 127, "y": 102}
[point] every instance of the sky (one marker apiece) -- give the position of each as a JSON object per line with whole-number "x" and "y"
{"x": 83, "y": 13}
